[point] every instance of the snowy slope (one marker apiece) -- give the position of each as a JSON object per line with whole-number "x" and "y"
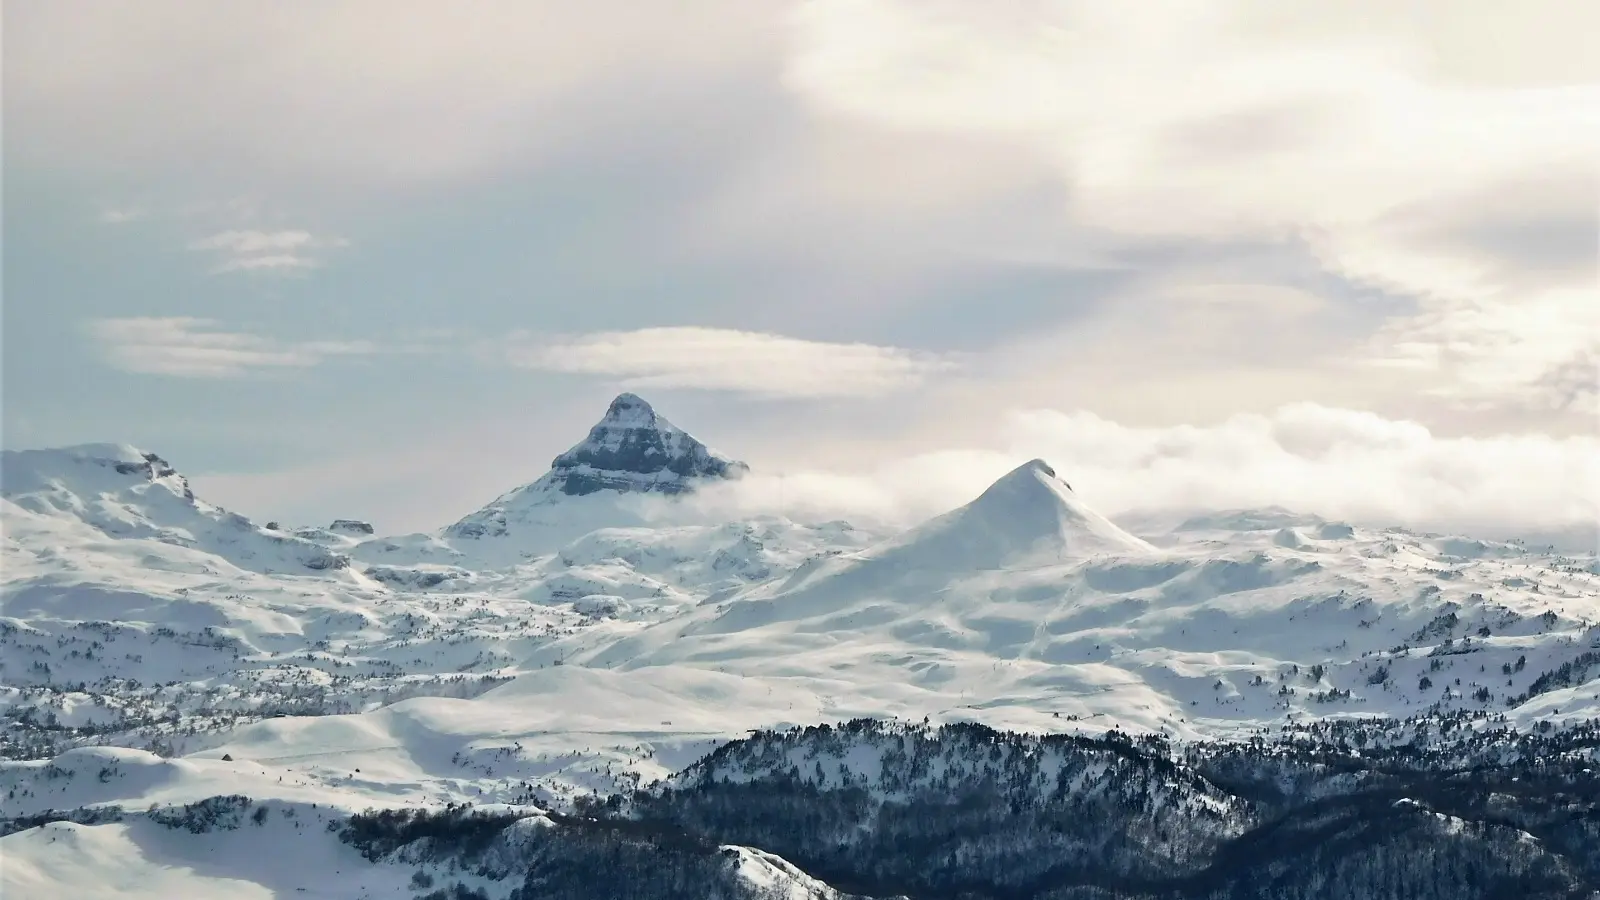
{"x": 1026, "y": 609}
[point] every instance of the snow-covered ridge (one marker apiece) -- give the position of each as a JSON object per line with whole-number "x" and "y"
{"x": 84, "y": 493}
{"x": 36, "y": 473}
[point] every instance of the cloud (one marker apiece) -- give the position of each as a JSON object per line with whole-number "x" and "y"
{"x": 1376, "y": 139}
{"x": 247, "y": 242}
{"x": 1161, "y": 217}
{"x": 121, "y": 215}
{"x": 198, "y": 348}
{"x": 1314, "y": 459}
{"x": 275, "y": 261}
{"x": 340, "y": 90}
{"x": 1538, "y": 354}
{"x": 721, "y": 359}
{"x": 254, "y": 251}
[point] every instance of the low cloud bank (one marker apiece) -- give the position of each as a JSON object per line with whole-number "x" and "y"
{"x": 1336, "y": 463}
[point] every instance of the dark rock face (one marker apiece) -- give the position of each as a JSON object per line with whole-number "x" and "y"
{"x": 471, "y": 528}
{"x": 634, "y": 449}
{"x": 154, "y": 468}
{"x": 325, "y": 561}
{"x": 350, "y": 526}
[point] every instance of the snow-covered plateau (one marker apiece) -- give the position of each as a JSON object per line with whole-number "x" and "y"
{"x": 587, "y": 689}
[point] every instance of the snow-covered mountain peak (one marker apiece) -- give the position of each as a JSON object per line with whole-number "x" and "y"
{"x": 1024, "y": 481}
{"x": 1028, "y": 520}
{"x": 632, "y": 450}
{"x": 630, "y": 410}
{"x": 1028, "y": 513}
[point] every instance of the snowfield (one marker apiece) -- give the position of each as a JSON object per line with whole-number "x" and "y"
{"x": 563, "y": 643}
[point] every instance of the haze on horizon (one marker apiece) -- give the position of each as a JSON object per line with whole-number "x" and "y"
{"x": 386, "y": 260}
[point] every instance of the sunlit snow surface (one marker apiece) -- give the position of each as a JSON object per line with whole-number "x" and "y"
{"x": 155, "y": 649}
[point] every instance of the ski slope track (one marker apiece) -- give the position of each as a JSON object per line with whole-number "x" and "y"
{"x": 186, "y": 692}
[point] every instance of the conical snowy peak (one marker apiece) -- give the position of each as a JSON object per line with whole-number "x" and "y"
{"x": 631, "y": 450}
{"x": 1023, "y": 480}
{"x": 1027, "y": 520}
{"x": 634, "y": 449}
{"x": 1027, "y": 516}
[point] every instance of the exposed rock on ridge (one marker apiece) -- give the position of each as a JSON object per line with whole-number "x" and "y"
{"x": 121, "y": 491}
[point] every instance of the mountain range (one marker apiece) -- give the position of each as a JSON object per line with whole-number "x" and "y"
{"x": 600, "y": 675}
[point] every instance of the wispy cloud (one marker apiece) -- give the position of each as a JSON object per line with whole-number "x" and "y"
{"x": 256, "y": 251}
{"x": 247, "y": 242}
{"x": 121, "y": 215}
{"x": 1316, "y": 459}
{"x": 275, "y": 261}
{"x": 722, "y": 359}
{"x": 198, "y": 348}
{"x": 1538, "y": 354}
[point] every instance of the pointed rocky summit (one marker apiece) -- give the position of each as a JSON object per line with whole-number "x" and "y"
{"x": 631, "y": 450}
{"x": 634, "y": 448}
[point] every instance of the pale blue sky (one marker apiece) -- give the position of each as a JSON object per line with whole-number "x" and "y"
{"x": 386, "y": 260}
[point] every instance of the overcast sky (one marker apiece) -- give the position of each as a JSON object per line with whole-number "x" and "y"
{"x": 385, "y": 259}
